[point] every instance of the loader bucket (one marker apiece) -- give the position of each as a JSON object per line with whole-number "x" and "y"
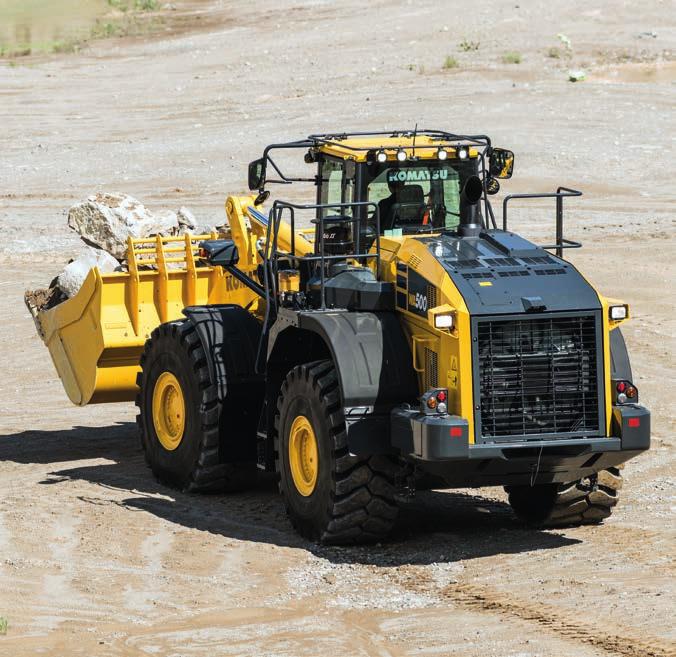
{"x": 96, "y": 337}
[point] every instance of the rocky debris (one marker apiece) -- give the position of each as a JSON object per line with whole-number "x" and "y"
{"x": 107, "y": 220}
{"x": 43, "y": 299}
{"x": 186, "y": 220}
{"x": 70, "y": 280}
{"x": 104, "y": 222}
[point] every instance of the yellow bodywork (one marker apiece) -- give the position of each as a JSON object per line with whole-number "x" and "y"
{"x": 96, "y": 338}
{"x": 453, "y": 348}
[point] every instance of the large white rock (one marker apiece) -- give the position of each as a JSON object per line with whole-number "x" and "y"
{"x": 70, "y": 280}
{"x": 107, "y": 220}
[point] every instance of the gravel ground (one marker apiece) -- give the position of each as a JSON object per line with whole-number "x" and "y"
{"x": 96, "y": 558}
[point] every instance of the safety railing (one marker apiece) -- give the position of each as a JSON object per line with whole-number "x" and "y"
{"x": 561, "y": 193}
{"x": 351, "y": 215}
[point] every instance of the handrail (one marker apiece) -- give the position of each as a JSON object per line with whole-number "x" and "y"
{"x": 276, "y": 214}
{"x": 561, "y": 193}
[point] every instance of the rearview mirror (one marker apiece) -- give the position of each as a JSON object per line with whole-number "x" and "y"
{"x": 501, "y": 163}
{"x": 257, "y": 174}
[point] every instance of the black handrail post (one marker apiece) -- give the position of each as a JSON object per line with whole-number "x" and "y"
{"x": 322, "y": 291}
{"x": 559, "y": 224}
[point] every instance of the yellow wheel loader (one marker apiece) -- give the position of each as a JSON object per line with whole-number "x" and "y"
{"x": 389, "y": 335}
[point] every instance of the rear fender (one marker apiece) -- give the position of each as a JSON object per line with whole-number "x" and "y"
{"x": 374, "y": 366}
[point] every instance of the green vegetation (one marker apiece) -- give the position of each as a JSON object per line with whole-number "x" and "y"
{"x": 450, "y": 62}
{"x": 66, "y": 46}
{"x": 511, "y": 58}
{"x": 3, "y": 625}
{"x": 468, "y": 46}
{"x": 64, "y": 27}
{"x": 136, "y": 5}
{"x": 554, "y": 53}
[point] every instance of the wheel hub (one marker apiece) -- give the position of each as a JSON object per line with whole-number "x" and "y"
{"x": 168, "y": 411}
{"x": 303, "y": 455}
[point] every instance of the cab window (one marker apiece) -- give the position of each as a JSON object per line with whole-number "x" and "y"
{"x": 331, "y": 190}
{"x": 416, "y": 195}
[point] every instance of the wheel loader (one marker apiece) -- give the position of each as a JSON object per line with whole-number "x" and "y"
{"x": 387, "y": 336}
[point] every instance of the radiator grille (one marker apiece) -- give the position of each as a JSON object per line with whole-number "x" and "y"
{"x": 431, "y": 368}
{"x": 538, "y": 376}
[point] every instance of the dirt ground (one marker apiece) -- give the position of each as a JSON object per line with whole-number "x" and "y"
{"x": 96, "y": 558}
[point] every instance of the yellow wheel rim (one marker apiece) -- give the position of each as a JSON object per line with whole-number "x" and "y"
{"x": 303, "y": 455}
{"x": 168, "y": 411}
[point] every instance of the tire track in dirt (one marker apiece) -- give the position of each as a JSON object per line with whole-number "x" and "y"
{"x": 558, "y": 621}
{"x": 566, "y": 624}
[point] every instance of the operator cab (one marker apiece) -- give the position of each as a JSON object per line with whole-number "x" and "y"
{"x": 411, "y": 196}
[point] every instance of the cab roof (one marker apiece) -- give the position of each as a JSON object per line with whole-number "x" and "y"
{"x": 361, "y": 147}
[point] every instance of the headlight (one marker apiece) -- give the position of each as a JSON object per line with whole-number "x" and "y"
{"x": 444, "y": 321}
{"x": 618, "y": 313}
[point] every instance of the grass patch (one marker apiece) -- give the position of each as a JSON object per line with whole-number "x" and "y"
{"x": 450, "y": 62}
{"x": 146, "y": 5}
{"x": 511, "y": 58}
{"x": 66, "y": 46}
{"x": 468, "y": 46}
{"x": 3, "y": 625}
{"x": 136, "y": 5}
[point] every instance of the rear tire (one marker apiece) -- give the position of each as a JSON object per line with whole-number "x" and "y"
{"x": 580, "y": 502}
{"x": 339, "y": 498}
{"x": 196, "y": 454}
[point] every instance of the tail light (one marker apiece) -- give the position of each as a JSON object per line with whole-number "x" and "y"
{"x": 434, "y": 402}
{"x": 624, "y": 392}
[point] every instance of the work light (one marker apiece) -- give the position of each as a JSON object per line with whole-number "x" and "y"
{"x": 444, "y": 321}
{"x": 401, "y": 155}
{"x": 618, "y": 313}
{"x": 381, "y": 156}
{"x": 462, "y": 153}
{"x": 442, "y": 154}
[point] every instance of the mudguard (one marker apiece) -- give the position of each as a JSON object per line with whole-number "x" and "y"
{"x": 620, "y": 367}
{"x": 229, "y": 336}
{"x": 373, "y": 361}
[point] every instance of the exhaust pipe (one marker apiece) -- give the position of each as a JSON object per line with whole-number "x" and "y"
{"x": 470, "y": 222}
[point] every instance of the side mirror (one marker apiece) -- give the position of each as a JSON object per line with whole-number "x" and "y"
{"x": 257, "y": 174}
{"x": 501, "y": 163}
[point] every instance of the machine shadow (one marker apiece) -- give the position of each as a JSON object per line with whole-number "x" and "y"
{"x": 434, "y": 526}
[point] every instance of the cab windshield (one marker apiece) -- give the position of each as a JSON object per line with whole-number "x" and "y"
{"x": 414, "y": 196}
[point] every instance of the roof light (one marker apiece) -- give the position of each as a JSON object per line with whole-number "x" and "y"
{"x": 618, "y": 313}
{"x": 462, "y": 152}
{"x": 401, "y": 155}
{"x": 381, "y": 156}
{"x": 442, "y": 154}
{"x": 444, "y": 321}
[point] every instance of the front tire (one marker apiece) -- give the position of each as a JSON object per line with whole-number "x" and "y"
{"x": 331, "y": 496}
{"x": 184, "y": 437}
{"x": 587, "y": 501}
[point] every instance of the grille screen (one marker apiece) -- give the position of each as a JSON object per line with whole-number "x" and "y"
{"x": 538, "y": 376}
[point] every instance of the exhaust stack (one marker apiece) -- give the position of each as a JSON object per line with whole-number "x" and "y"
{"x": 470, "y": 222}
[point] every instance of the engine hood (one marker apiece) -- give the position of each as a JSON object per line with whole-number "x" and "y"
{"x": 500, "y": 272}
